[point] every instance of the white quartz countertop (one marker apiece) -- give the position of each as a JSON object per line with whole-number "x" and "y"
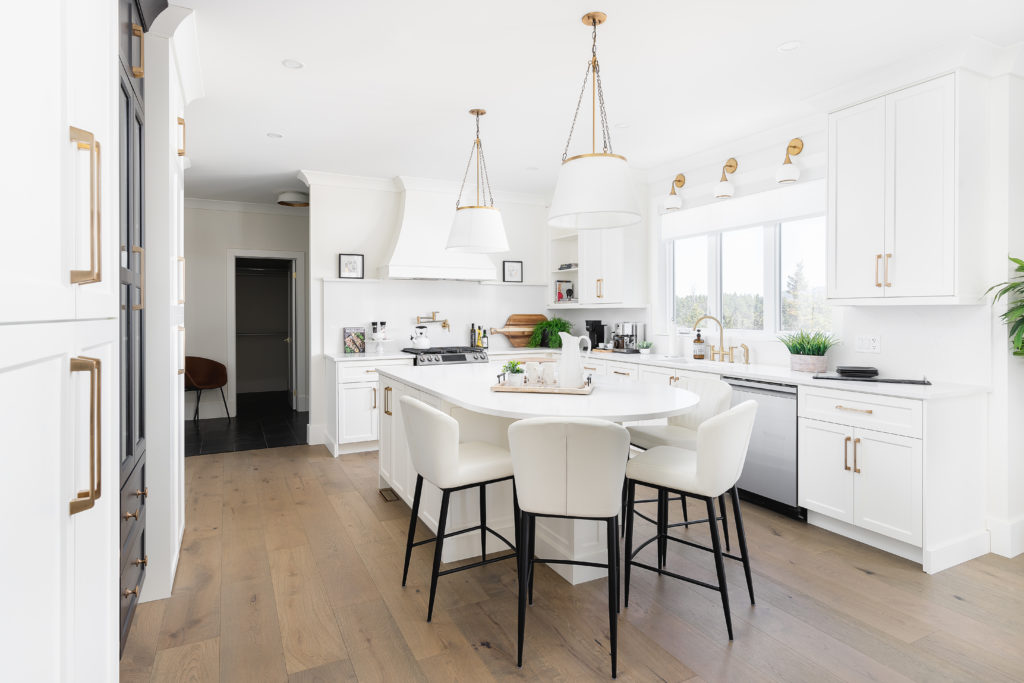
{"x": 469, "y": 386}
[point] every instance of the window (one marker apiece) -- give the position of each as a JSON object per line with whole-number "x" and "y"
{"x": 768, "y": 278}
{"x": 690, "y": 279}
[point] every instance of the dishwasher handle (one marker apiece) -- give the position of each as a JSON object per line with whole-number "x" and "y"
{"x": 765, "y": 388}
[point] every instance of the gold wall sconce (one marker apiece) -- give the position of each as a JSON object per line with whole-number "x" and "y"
{"x": 674, "y": 202}
{"x": 724, "y": 189}
{"x": 790, "y": 172}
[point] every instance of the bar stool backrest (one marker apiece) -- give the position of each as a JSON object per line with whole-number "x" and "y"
{"x": 569, "y": 467}
{"x": 715, "y": 399}
{"x": 433, "y": 439}
{"x": 722, "y": 443}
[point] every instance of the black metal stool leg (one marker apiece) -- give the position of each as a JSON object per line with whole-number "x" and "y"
{"x": 532, "y": 552}
{"x": 199, "y": 397}
{"x": 618, "y": 571}
{"x": 524, "y": 573}
{"x": 226, "y": 412}
{"x": 483, "y": 522}
{"x": 613, "y": 598}
{"x": 725, "y": 521}
{"x": 742, "y": 538}
{"x": 438, "y": 545}
{"x": 516, "y": 513}
{"x": 662, "y": 528}
{"x": 412, "y": 526}
{"x": 716, "y": 544}
{"x": 630, "y": 497}
{"x": 686, "y": 513}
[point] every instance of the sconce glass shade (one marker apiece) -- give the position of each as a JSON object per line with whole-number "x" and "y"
{"x": 724, "y": 190}
{"x": 787, "y": 173}
{"x": 477, "y": 230}
{"x": 672, "y": 202}
{"x": 594, "y": 191}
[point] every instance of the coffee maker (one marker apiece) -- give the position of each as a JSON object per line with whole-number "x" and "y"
{"x": 627, "y": 336}
{"x": 597, "y": 332}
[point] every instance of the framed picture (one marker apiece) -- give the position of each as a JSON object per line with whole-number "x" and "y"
{"x": 350, "y": 266}
{"x": 512, "y": 271}
{"x": 353, "y": 339}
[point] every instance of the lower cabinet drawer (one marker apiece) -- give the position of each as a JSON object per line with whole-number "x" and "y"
{"x": 868, "y": 411}
{"x": 134, "y": 494}
{"x": 133, "y": 573}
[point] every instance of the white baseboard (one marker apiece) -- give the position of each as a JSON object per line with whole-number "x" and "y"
{"x": 1007, "y": 535}
{"x": 955, "y": 552}
{"x": 316, "y": 434}
{"x": 875, "y": 540}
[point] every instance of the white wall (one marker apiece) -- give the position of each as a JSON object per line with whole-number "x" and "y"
{"x": 211, "y": 230}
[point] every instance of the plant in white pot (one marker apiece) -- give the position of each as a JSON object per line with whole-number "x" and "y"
{"x": 645, "y": 346}
{"x": 807, "y": 350}
{"x": 514, "y": 373}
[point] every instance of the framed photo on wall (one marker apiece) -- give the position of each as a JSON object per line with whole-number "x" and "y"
{"x": 350, "y": 266}
{"x": 512, "y": 271}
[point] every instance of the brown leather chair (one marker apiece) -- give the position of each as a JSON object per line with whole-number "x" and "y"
{"x": 203, "y": 373}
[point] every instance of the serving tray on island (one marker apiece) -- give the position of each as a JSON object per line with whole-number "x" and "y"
{"x": 543, "y": 389}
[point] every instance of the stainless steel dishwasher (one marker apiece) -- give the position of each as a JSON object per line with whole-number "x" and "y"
{"x": 769, "y": 474}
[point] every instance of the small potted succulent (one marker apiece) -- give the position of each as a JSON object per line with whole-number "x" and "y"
{"x": 807, "y": 350}
{"x": 514, "y": 373}
{"x": 645, "y": 346}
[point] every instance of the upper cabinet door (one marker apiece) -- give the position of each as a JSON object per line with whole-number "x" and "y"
{"x": 613, "y": 265}
{"x": 856, "y": 194}
{"x": 920, "y": 250}
{"x": 590, "y": 250}
{"x": 131, "y": 44}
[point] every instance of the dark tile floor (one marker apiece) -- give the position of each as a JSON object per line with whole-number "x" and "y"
{"x": 264, "y": 420}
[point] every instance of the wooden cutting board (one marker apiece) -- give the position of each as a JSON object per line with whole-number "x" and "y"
{"x": 519, "y": 327}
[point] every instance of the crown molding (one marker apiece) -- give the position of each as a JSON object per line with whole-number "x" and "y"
{"x": 244, "y": 207}
{"x": 352, "y": 182}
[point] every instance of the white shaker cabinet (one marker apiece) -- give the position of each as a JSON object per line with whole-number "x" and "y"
{"x": 601, "y": 266}
{"x": 354, "y": 402}
{"x": 357, "y": 411}
{"x": 895, "y": 205}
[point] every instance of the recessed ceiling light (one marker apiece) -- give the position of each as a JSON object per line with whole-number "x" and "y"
{"x": 789, "y": 46}
{"x": 292, "y": 64}
{"x": 275, "y": 136}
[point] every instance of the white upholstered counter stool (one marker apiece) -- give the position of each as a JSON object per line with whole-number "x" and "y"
{"x": 706, "y": 473}
{"x": 569, "y": 469}
{"x": 681, "y": 432}
{"x": 438, "y": 457}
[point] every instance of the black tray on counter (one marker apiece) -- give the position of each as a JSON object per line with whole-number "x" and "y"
{"x": 885, "y": 380}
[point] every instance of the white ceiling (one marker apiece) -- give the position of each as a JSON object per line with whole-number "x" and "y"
{"x": 387, "y": 84}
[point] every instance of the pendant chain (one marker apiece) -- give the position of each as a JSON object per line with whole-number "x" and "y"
{"x": 478, "y": 149}
{"x": 606, "y": 138}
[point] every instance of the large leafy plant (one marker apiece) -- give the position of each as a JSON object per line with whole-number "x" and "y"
{"x": 805, "y": 343}
{"x": 550, "y": 330}
{"x": 1013, "y": 290}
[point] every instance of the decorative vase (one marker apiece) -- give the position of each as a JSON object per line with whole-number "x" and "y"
{"x": 645, "y": 351}
{"x": 516, "y": 379}
{"x": 807, "y": 363}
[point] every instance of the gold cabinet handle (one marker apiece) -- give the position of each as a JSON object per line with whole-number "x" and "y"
{"x": 387, "y": 403}
{"x": 144, "y": 493}
{"x": 866, "y": 411}
{"x": 181, "y": 283}
{"x": 878, "y": 258}
{"x": 856, "y": 470}
{"x": 587, "y": 367}
{"x": 886, "y": 270}
{"x": 846, "y": 448}
{"x": 86, "y": 499}
{"x": 144, "y": 561}
{"x": 140, "y": 70}
{"x": 134, "y": 591}
{"x": 129, "y": 515}
{"x": 620, "y": 372}
{"x": 86, "y": 141}
{"x": 142, "y": 287}
{"x": 181, "y": 150}
{"x": 371, "y": 370}
{"x": 181, "y": 370}
{"x": 599, "y": 285}
{"x": 374, "y": 406}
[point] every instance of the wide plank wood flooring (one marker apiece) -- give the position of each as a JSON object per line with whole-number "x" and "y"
{"x": 291, "y": 568}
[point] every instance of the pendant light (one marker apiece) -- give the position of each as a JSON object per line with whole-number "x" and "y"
{"x": 594, "y": 190}
{"x": 477, "y": 229}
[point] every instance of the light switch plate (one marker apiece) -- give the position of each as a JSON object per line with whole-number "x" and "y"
{"x": 869, "y": 343}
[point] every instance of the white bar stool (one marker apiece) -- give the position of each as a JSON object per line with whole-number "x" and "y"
{"x": 451, "y": 466}
{"x": 708, "y": 473}
{"x": 569, "y": 469}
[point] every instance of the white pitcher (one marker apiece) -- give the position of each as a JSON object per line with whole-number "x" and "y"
{"x": 570, "y": 365}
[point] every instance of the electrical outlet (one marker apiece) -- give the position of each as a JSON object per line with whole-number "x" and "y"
{"x": 869, "y": 343}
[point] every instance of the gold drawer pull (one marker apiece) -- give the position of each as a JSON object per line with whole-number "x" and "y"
{"x": 371, "y": 370}
{"x": 866, "y": 411}
{"x": 86, "y": 141}
{"x": 878, "y": 258}
{"x": 144, "y": 561}
{"x": 136, "y": 249}
{"x": 587, "y": 367}
{"x": 143, "y": 493}
{"x": 86, "y": 499}
{"x": 129, "y": 515}
{"x": 387, "y": 405}
{"x": 620, "y": 372}
{"x": 181, "y": 122}
{"x": 140, "y": 70}
{"x": 856, "y": 470}
{"x": 134, "y": 591}
{"x": 846, "y": 448}
{"x": 374, "y": 406}
{"x": 886, "y": 270}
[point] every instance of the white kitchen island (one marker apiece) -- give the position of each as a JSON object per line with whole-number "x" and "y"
{"x": 463, "y": 391}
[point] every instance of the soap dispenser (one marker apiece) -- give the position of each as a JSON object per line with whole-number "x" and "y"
{"x": 698, "y": 347}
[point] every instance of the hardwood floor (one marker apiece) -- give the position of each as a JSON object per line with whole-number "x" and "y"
{"x": 291, "y": 569}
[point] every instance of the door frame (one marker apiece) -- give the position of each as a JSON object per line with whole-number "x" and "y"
{"x": 299, "y": 347}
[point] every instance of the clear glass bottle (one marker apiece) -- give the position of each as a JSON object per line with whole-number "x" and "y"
{"x": 698, "y": 347}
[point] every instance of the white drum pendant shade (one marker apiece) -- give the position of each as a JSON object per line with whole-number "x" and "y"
{"x": 594, "y": 191}
{"x": 477, "y": 230}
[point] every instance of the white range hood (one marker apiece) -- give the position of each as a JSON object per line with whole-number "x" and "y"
{"x": 428, "y": 207}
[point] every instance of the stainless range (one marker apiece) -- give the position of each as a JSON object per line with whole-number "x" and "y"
{"x": 447, "y": 355}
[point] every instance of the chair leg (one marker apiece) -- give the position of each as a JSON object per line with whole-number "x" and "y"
{"x": 483, "y": 522}
{"x": 524, "y": 572}
{"x": 623, "y": 515}
{"x": 725, "y": 521}
{"x": 613, "y": 598}
{"x": 742, "y": 538}
{"x": 662, "y": 528}
{"x": 531, "y": 550}
{"x": 199, "y": 397}
{"x": 226, "y": 412}
{"x": 618, "y": 570}
{"x": 516, "y": 513}
{"x": 412, "y": 526}
{"x": 628, "y": 562}
{"x": 686, "y": 513}
{"x": 716, "y": 545}
{"x": 438, "y": 545}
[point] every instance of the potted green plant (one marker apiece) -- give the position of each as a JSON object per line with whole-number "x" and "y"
{"x": 1013, "y": 290}
{"x": 807, "y": 350}
{"x": 645, "y": 346}
{"x": 546, "y": 333}
{"x": 514, "y": 373}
